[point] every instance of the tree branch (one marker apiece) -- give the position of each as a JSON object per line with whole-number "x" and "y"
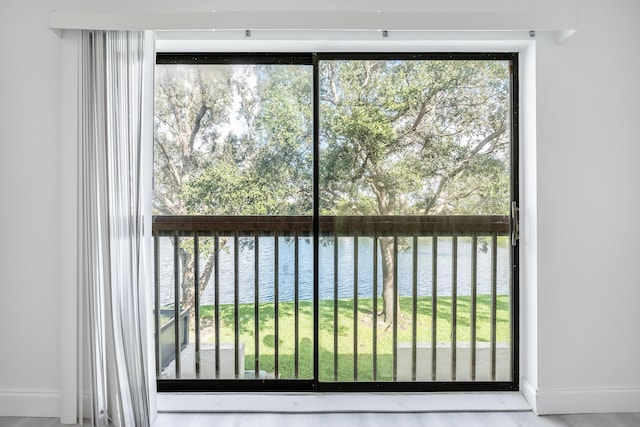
{"x": 174, "y": 173}
{"x": 196, "y": 128}
{"x": 165, "y": 206}
{"x": 445, "y": 178}
{"x": 167, "y": 123}
{"x": 203, "y": 280}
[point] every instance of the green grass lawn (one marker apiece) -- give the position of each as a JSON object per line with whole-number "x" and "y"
{"x": 346, "y": 337}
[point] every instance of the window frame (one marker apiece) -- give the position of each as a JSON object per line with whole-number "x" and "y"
{"x": 314, "y": 385}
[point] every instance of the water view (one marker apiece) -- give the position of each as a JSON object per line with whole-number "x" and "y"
{"x": 286, "y": 269}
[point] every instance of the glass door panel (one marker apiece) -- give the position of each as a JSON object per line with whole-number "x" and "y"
{"x": 415, "y": 196}
{"x": 233, "y": 198}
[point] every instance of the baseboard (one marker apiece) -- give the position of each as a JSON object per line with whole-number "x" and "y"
{"x": 86, "y": 404}
{"x": 550, "y": 401}
{"x": 29, "y": 403}
{"x": 340, "y": 402}
{"x": 530, "y": 394}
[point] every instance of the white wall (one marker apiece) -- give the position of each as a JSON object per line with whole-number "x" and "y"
{"x": 588, "y": 203}
{"x": 30, "y": 210}
{"x": 582, "y": 343}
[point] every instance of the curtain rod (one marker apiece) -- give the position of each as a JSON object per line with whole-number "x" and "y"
{"x": 546, "y": 20}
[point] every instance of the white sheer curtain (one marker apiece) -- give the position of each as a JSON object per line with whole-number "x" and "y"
{"x": 110, "y": 226}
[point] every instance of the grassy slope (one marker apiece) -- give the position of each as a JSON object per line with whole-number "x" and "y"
{"x": 346, "y": 338}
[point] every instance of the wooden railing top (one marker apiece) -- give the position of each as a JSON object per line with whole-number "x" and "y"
{"x": 363, "y": 225}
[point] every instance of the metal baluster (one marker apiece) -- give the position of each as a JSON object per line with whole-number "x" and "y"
{"x": 414, "y": 311}
{"x": 256, "y": 305}
{"x": 196, "y": 296}
{"x": 454, "y": 305}
{"x": 396, "y": 307}
{"x": 276, "y": 305}
{"x": 216, "y": 294}
{"x": 474, "y": 292}
{"x": 296, "y": 301}
{"x": 355, "y": 307}
{"x": 494, "y": 291}
{"x": 156, "y": 314}
{"x": 335, "y": 308}
{"x": 374, "y": 349}
{"x": 176, "y": 303}
{"x": 434, "y": 305}
{"x": 236, "y": 303}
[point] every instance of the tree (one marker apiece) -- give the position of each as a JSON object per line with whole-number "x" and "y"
{"x": 191, "y": 107}
{"x": 230, "y": 140}
{"x": 191, "y": 104}
{"x": 413, "y": 138}
{"x": 264, "y": 168}
{"x": 397, "y": 138}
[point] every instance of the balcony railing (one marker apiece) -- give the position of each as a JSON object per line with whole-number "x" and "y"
{"x": 451, "y": 278}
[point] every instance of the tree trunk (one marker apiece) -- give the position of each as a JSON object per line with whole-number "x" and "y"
{"x": 388, "y": 288}
{"x": 187, "y": 300}
{"x": 188, "y": 288}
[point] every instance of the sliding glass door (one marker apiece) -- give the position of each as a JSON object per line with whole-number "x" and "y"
{"x": 335, "y": 222}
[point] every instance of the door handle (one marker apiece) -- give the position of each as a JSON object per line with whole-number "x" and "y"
{"x": 515, "y": 223}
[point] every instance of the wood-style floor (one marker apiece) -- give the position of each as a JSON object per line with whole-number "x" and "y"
{"x": 432, "y": 419}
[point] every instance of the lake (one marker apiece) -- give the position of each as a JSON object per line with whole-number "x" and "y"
{"x": 286, "y": 269}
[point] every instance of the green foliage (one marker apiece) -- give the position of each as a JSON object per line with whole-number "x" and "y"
{"x": 414, "y": 137}
{"x": 256, "y": 159}
{"x": 397, "y": 137}
{"x": 191, "y": 107}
